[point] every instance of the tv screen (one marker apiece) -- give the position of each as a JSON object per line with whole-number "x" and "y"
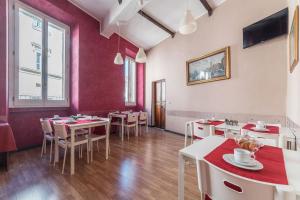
{"x": 268, "y": 28}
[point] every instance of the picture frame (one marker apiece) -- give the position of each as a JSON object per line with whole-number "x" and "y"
{"x": 214, "y": 66}
{"x": 294, "y": 41}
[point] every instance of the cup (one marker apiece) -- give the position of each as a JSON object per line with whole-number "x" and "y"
{"x": 260, "y": 126}
{"x": 242, "y": 155}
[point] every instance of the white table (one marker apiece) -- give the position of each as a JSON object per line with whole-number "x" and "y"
{"x": 73, "y": 128}
{"x": 234, "y": 129}
{"x": 122, "y": 117}
{"x": 201, "y": 148}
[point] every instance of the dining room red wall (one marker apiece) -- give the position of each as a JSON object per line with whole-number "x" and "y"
{"x": 97, "y": 84}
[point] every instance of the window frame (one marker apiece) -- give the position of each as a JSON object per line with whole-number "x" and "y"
{"x": 128, "y": 103}
{"x": 12, "y": 49}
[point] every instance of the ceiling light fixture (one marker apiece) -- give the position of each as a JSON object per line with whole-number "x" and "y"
{"x": 188, "y": 24}
{"x": 118, "y": 59}
{"x": 141, "y": 56}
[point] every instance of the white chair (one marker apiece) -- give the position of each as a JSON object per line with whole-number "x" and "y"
{"x": 200, "y": 131}
{"x": 220, "y": 185}
{"x": 143, "y": 120}
{"x": 48, "y": 136}
{"x": 65, "y": 141}
{"x": 197, "y": 131}
{"x": 131, "y": 122}
{"x": 96, "y": 137}
{"x": 115, "y": 121}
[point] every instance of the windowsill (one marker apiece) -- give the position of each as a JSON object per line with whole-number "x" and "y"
{"x": 35, "y": 109}
{"x": 130, "y": 104}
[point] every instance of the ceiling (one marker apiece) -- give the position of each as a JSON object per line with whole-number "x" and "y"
{"x": 134, "y": 27}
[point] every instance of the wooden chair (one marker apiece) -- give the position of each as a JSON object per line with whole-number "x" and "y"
{"x": 48, "y": 136}
{"x": 65, "y": 141}
{"x": 143, "y": 120}
{"x": 131, "y": 122}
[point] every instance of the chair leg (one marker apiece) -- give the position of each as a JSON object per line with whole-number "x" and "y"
{"x": 44, "y": 142}
{"x": 63, "y": 168}
{"x": 98, "y": 149}
{"x": 87, "y": 151}
{"x": 79, "y": 150}
{"x": 147, "y": 127}
{"x": 51, "y": 150}
{"x": 127, "y": 133}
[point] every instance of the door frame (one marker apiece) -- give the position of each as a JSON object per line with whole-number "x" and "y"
{"x": 153, "y": 102}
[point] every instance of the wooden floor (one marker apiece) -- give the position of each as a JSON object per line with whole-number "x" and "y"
{"x": 142, "y": 168}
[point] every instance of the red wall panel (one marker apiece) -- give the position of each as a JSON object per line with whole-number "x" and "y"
{"x": 97, "y": 85}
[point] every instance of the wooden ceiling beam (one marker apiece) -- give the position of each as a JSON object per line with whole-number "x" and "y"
{"x": 207, "y": 7}
{"x": 155, "y": 22}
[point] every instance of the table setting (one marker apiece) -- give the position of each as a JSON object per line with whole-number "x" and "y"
{"x": 247, "y": 158}
{"x": 79, "y": 122}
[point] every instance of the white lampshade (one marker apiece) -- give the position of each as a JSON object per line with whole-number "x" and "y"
{"x": 188, "y": 24}
{"x": 141, "y": 56}
{"x": 119, "y": 59}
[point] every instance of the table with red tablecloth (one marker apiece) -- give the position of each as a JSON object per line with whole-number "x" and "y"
{"x": 7, "y": 142}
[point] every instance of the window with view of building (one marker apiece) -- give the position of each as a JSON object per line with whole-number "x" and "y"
{"x": 130, "y": 81}
{"x": 40, "y": 61}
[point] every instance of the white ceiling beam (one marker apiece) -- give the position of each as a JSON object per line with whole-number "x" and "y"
{"x": 123, "y": 13}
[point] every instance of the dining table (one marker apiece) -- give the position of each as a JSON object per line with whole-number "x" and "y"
{"x": 200, "y": 150}
{"x": 122, "y": 117}
{"x": 81, "y": 123}
{"x": 7, "y": 143}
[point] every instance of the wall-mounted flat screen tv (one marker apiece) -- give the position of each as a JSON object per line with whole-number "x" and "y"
{"x": 266, "y": 29}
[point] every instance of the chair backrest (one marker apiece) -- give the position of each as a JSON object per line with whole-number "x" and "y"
{"x": 143, "y": 116}
{"x": 218, "y": 184}
{"x": 132, "y": 117}
{"x": 46, "y": 126}
{"x": 60, "y": 130}
{"x": 201, "y": 130}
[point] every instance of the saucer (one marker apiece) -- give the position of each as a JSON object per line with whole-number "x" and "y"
{"x": 229, "y": 158}
{"x": 260, "y": 129}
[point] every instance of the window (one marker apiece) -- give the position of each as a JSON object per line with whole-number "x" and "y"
{"x": 130, "y": 82}
{"x": 40, "y": 63}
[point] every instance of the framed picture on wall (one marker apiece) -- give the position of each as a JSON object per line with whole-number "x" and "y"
{"x": 294, "y": 41}
{"x": 214, "y": 66}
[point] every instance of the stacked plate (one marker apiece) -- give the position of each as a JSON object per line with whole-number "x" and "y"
{"x": 252, "y": 164}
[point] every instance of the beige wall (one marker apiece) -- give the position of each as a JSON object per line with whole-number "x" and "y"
{"x": 293, "y": 81}
{"x": 258, "y": 83}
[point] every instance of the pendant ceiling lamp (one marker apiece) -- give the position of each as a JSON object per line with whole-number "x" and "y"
{"x": 118, "y": 59}
{"x": 141, "y": 56}
{"x": 188, "y": 24}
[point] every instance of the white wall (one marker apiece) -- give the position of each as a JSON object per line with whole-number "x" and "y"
{"x": 293, "y": 80}
{"x": 258, "y": 83}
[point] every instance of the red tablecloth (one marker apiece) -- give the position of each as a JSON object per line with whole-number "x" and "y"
{"x": 7, "y": 139}
{"x": 271, "y": 129}
{"x": 211, "y": 122}
{"x": 271, "y": 157}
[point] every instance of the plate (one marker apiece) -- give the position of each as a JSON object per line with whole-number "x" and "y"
{"x": 70, "y": 122}
{"x": 56, "y": 119}
{"x": 260, "y": 129}
{"x": 229, "y": 158}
